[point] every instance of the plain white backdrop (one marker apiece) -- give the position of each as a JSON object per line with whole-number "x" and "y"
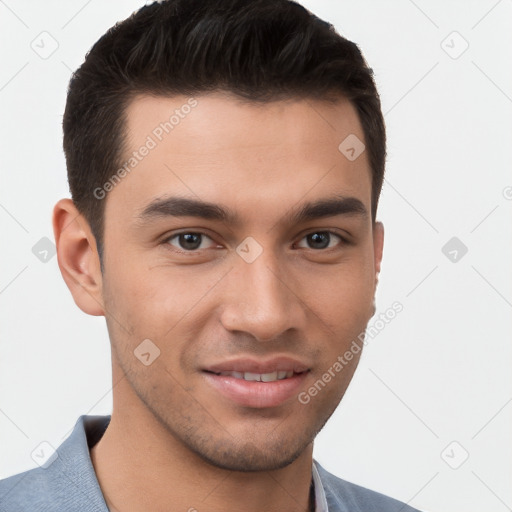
{"x": 427, "y": 417}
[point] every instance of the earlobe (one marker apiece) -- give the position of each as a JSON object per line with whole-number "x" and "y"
{"x": 378, "y": 245}
{"x": 78, "y": 258}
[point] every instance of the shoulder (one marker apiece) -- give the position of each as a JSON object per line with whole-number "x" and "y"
{"x": 343, "y": 496}
{"x": 66, "y": 480}
{"x": 26, "y": 491}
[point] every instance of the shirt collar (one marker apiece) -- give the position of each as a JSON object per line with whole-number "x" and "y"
{"x": 320, "y": 498}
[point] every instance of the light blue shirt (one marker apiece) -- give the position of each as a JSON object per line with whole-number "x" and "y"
{"x": 66, "y": 482}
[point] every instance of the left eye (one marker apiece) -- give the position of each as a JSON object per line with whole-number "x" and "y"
{"x": 189, "y": 241}
{"x": 320, "y": 240}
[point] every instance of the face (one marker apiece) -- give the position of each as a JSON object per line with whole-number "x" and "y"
{"x": 241, "y": 245}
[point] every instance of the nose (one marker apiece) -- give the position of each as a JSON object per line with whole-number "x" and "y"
{"x": 261, "y": 301}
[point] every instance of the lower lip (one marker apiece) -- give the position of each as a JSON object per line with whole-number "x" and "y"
{"x": 255, "y": 393}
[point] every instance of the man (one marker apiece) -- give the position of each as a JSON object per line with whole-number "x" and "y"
{"x": 225, "y": 160}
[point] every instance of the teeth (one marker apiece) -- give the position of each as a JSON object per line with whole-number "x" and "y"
{"x": 260, "y": 377}
{"x": 252, "y": 376}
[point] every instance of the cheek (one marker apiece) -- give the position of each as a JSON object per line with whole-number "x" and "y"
{"x": 149, "y": 296}
{"x": 341, "y": 296}
{"x": 164, "y": 305}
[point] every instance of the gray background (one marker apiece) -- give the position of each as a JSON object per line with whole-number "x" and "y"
{"x": 434, "y": 386}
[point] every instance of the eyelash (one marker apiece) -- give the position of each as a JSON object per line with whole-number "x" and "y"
{"x": 342, "y": 241}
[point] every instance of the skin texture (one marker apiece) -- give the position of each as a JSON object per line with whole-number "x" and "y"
{"x": 173, "y": 438}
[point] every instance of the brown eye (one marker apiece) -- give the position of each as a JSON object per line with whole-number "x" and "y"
{"x": 321, "y": 240}
{"x": 189, "y": 241}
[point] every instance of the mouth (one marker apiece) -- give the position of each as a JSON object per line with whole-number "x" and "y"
{"x": 257, "y": 384}
{"x": 259, "y": 377}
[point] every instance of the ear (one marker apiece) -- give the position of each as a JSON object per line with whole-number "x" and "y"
{"x": 378, "y": 245}
{"x": 78, "y": 257}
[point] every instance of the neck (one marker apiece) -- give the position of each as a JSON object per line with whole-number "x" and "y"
{"x": 141, "y": 466}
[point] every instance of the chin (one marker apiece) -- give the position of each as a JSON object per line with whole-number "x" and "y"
{"x": 250, "y": 458}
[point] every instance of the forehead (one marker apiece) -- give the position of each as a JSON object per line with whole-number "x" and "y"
{"x": 256, "y": 157}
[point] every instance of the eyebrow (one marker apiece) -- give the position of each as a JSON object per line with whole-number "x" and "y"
{"x": 185, "y": 207}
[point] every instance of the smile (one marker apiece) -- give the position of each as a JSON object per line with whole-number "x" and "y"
{"x": 260, "y": 377}
{"x": 254, "y": 389}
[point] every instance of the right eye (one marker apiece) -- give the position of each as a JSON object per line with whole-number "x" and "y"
{"x": 189, "y": 241}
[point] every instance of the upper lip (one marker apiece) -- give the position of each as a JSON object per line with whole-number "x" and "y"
{"x": 270, "y": 365}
